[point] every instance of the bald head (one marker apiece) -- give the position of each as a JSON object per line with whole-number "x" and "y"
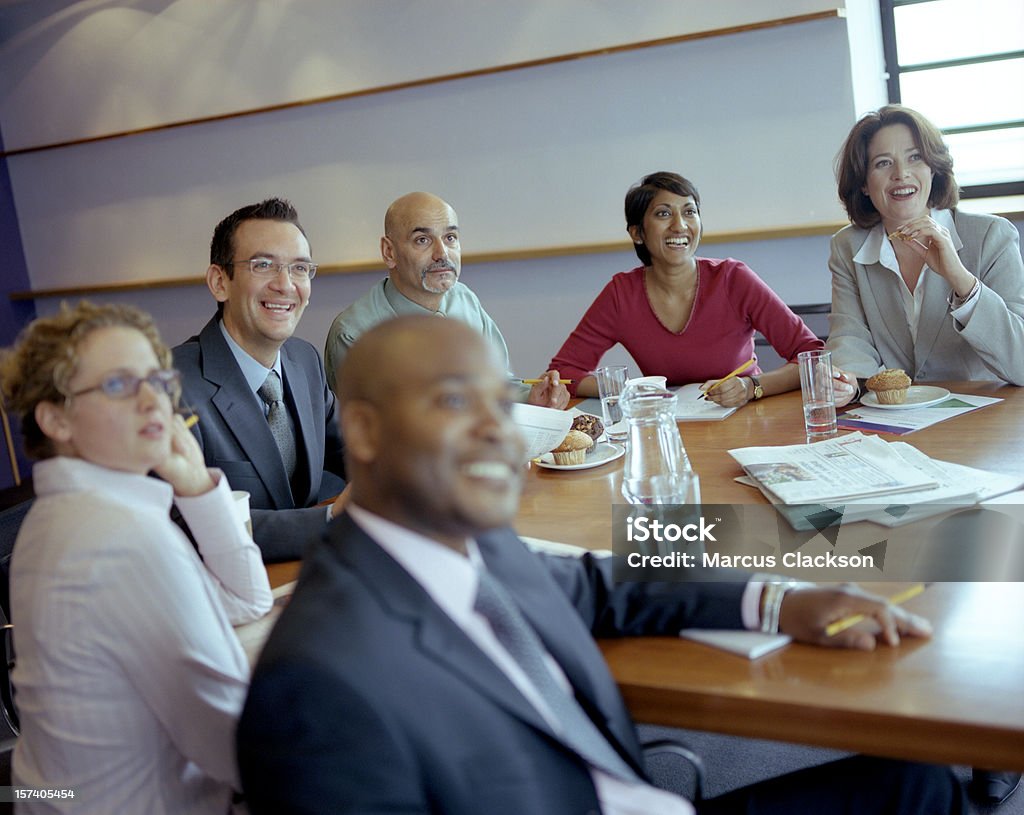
{"x": 421, "y": 247}
{"x": 414, "y": 206}
{"x": 426, "y": 417}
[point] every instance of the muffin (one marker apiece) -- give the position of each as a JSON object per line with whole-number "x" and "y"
{"x": 588, "y": 424}
{"x": 573, "y": 448}
{"x": 889, "y": 386}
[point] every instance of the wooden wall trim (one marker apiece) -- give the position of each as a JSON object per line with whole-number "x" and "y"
{"x": 433, "y": 80}
{"x": 502, "y": 256}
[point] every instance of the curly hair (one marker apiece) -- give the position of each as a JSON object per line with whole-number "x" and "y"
{"x": 639, "y": 198}
{"x": 41, "y": 363}
{"x": 852, "y": 162}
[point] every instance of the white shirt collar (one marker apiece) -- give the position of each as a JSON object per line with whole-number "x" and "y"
{"x": 877, "y": 248}
{"x": 447, "y": 576}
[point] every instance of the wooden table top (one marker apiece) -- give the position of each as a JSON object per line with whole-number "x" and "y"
{"x": 572, "y": 506}
{"x": 956, "y": 698}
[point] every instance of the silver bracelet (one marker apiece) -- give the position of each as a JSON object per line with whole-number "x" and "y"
{"x": 775, "y": 590}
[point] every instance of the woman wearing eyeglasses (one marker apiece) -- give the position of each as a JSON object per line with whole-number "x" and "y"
{"x": 129, "y": 677}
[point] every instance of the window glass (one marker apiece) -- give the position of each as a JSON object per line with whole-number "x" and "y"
{"x": 954, "y": 29}
{"x": 987, "y": 157}
{"x": 977, "y": 94}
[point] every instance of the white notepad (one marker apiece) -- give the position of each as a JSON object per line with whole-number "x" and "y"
{"x": 749, "y": 644}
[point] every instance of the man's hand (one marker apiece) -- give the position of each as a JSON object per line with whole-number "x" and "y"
{"x": 807, "y": 612}
{"x": 549, "y": 392}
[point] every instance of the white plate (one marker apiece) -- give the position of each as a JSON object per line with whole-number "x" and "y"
{"x": 917, "y": 396}
{"x": 603, "y": 453}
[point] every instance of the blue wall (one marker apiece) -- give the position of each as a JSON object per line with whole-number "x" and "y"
{"x": 13, "y": 277}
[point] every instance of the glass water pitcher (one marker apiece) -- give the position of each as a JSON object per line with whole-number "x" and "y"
{"x": 657, "y": 470}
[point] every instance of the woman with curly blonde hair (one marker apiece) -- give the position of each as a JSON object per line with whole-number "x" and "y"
{"x": 129, "y": 677}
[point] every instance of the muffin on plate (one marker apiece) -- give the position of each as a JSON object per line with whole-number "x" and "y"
{"x": 889, "y": 386}
{"x": 591, "y": 425}
{"x": 573, "y": 449}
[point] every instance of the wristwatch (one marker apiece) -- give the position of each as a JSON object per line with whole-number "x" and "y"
{"x": 758, "y": 390}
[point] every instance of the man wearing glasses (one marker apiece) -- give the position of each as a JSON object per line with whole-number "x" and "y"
{"x": 266, "y": 415}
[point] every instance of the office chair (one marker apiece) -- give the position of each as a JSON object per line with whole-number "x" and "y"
{"x": 10, "y": 523}
{"x": 815, "y": 317}
{"x": 664, "y": 776}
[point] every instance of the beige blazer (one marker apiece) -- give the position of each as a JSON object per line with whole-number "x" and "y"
{"x": 869, "y": 329}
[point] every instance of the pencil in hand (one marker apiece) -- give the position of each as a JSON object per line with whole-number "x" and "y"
{"x": 849, "y": 622}
{"x": 728, "y": 376}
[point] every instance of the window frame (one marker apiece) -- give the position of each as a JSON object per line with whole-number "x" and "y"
{"x": 894, "y": 70}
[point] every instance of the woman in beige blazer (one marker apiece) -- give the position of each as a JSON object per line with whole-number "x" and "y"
{"x": 916, "y": 283}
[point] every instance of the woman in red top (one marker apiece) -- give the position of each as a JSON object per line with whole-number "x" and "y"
{"x": 686, "y": 318}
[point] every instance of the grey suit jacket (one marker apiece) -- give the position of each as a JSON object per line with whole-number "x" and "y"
{"x": 235, "y": 436}
{"x": 368, "y": 698}
{"x": 869, "y": 328}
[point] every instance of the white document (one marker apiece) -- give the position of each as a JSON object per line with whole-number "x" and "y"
{"x": 830, "y": 471}
{"x": 690, "y": 408}
{"x": 543, "y": 428}
{"x": 749, "y": 644}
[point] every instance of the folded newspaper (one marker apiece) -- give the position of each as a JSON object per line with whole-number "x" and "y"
{"x": 841, "y": 469}
{"x": 954, "y": 485}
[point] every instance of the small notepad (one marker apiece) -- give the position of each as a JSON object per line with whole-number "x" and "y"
{"x": 749, "y": 644}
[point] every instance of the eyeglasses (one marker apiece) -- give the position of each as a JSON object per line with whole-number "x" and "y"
{"x": 300, "y": 270}
{"x": 125, "y": 385}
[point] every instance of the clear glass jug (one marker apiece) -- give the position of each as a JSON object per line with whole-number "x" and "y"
{"x": 657, "y": 470}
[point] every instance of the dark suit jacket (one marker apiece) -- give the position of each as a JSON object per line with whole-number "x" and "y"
{"x": 235, "y": 437}
{"x": 368, "y": 698}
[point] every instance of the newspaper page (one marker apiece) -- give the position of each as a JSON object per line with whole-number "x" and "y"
{"x": 853, "y": 466}
{"x": 542, "y": 428}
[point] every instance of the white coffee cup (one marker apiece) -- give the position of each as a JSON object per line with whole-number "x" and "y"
{"x": 240, "y": 499}
{"x": 660, "y": 381}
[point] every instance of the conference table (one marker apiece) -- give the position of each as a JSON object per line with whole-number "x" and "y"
{"x": 956, "y": 698}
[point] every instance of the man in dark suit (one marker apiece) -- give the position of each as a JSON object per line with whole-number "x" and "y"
{"x": 428, "y": 662}
{"x": 281, "y": 445}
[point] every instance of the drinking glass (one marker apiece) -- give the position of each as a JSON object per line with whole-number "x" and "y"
{"x": 819, "y": 400}
{"x": 611, "y": 379}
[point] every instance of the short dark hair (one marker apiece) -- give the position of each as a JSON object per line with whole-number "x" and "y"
{"x": 639, "y": 198}
{"x": 852, "y": 162}
{"x": 222, "y": 247}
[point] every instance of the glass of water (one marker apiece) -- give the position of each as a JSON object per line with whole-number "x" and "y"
{"x": 611, "y": 379}
{"x": 818, "y": 397}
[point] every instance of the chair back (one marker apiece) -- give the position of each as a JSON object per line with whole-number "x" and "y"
{"x": 10, "y": 522}
{"x": 815, "y": 317}
{"x": 12, "y": 454}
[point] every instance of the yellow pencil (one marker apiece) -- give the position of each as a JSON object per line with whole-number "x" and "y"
{"x": 848, "y": 622}
{"x": 535, "y": 381}
{"x": 739, "y": 370}
{"x": 192, "y": 420}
